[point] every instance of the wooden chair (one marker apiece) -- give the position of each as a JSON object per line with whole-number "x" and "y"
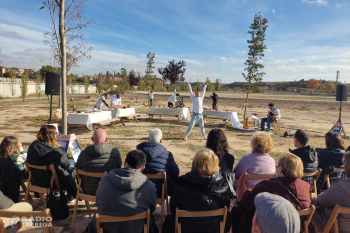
{"x": 326, "y": 176}
{"x": 247, "y": 176}
{"x": 333, "y": 219}
{"x": 34, "y": 214}
{"x": 275, "y": 125}
{"x": 31, "y": 187}
{"x": 192, "y": 214}
{"x": 160, "y": 201}
{"x": 309, "y": 212}
{"x": 105, "y": 218}
{"x": 315, "y": 176}
{"x": 84, "y": 197}
{"x": 30, "y": 199}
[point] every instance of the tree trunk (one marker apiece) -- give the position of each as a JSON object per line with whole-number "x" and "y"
{"x": 245, "y": 107}
{"x": 63, "y": 66}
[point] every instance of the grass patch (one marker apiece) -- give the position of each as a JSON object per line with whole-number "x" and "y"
{"x": 276, "y": 155}
{"x": 194, "y": 147}
{"x": 123, "y": 149}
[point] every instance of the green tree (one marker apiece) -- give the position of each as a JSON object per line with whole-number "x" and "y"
{"x": 86, "y": 83}
{"x": 100, "y": 83}
{"x": 210, "y": 85}
{"x": 256, "y": 51}
{"x": 149, "y": 68}
{"x": 217, "y": 84}
{"x": 24, "y": 84}
{"x": 38, "y": 84}
{"x": 13, "y": 79}
{"x": 142, "y": 84}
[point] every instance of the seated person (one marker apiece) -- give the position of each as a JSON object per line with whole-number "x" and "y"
{"x": 126, "y": 192}
{"x": 274, "y": 214}
{"x": 172, "y": 99}
{"x": 307, "y": 154}
{"x": 10, "y": 173}
{"x": 258, "y": 162}
{"x": 99, "y": 157}
{"x": 159, "y": 160}
{"x": 7, "y": 204}
{"x": 45, "y": 150}
{"x": 217, "y": 142}
{"x": 116, "y": 100}
{"x": 337, "y": 193}
{"x": 287, "y": 184}
{"x": 273, "y": 115}
{"x": 101, "y": 100}
{"x": 202, "y": 189}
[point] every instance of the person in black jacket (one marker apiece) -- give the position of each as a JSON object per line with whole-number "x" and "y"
{"x": 217, "y": 142}
{"x": 45, "y": 150}
{"x": 10, "y": 174}
{"x": 99, "y": 157}
{"x": 202, "y": 189}
{"x": 215, "y": 98}
{"x": 159, "y": 160}
{"x": 307, "y": 154}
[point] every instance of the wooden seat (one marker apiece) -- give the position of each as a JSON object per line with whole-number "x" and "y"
{"x": 31, "y": 187}
{"x": 333, "y": 218}
{"x": 125, "y": 118}
{"x": 46, "y": 216}
{"x": 315, "y": 176}
{"x": 84, "y": 197}
{"x": 326, "y": 176}
{"x": 105, "y": 218}
{"x": 160, "y": 201}
{"x": 247, "y": 176}
{"x": 112, "y": 122}
{"x": 192, "y": 214}
{"x": 151, "y": 115}
{"x": 309, "y": 212}
{"x": 275, "y": 125}
{"x": 30, "y": 199}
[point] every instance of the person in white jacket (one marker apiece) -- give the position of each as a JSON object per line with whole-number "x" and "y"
{"x": 116, "y": 100}
{"x": 197, "y": 101}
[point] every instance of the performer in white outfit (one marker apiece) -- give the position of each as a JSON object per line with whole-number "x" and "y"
{"x": 151, "y": 98}
{"x": 197, "y": 116}
{"x": 172, "y": 99}
{"x": 116, "y": 100}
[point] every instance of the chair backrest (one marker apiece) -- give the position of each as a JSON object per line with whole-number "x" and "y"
{"x": 54, "y": 177}
{"x": 333, "y": 218}
{"x": 326, "y": 176}
{"x": 58, "y": 116}
{"x": 315, "y": 176}
{"x": 309, "y": 212}
{"x": 46, "y": 216}
{"x": 110, "y": 219}
{"x": 193, "y": 214}
{"x": 247, "y": 176}
{"x": 79, "y": 173}
{"x": 160, "y": 176}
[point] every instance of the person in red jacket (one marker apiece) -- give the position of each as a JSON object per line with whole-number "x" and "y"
{"x": 287, "y": 184}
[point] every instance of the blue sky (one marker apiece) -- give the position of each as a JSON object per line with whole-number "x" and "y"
{"x": 305, "y": 38}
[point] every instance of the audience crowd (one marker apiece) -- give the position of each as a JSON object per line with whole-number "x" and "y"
{"x": 213, "y": 183}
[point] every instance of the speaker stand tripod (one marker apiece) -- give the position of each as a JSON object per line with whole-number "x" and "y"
{"x": 338, "y": 127}
{"x": 50, "y": 120}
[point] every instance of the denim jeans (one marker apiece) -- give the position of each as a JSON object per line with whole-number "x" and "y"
{"x": 151, "y": 102}
{"x": 99, "y": 109}
{"x": 196, "y": 118}
{"x": 268, "y": 121}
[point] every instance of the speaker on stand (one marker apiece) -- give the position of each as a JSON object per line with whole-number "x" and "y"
{"x": 52, "y": 87}
{"x": 341, "y": 95}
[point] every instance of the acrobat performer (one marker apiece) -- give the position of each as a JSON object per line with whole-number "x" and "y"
{"x": 197, "y": 102}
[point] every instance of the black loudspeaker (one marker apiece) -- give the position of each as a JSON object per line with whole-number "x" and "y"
{"x": 342, "y": 92}
{"x": 52, "y": 86}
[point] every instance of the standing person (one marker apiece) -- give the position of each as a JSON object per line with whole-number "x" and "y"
{"x": 101, "y": 100}
{"x": 197, "y": 116}
{"x": 273, "y": 115}
{"x": 172, "y": 100}
{"x": 215, "y": 98}
{"x": 116, "y": 100}
{"x": 151, "y": 98}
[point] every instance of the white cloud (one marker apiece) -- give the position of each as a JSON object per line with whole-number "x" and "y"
{"x": 242, "y": 52}
{"x": 268, "y": 50}
{"x": 338, "y": 6}
{"x": 319, "y": 2}
{"x": 231, "y": 60}
{"x": 11, "y": 30}
{"x": 278, "y": 16}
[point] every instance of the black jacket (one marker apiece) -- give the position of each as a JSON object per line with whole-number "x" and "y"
{"x": 10, "y": 178}
{"x": 160, "y": 160}
{"x": 97, "y": 158}
{"x": 194, "y": 192}
{"x": 215, "y": 98}
{"x": 308, "y": 156}
{"x": 328, "y": 158}
{"x": 226, "y": 162}
{"x": 40, "y": 153}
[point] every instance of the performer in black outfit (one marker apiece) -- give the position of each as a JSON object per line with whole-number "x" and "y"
{"x": 215, "y": 98}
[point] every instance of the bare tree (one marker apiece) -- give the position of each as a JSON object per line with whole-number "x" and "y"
{"x": 38, "y": 84}
{"x": 13, "y": 79}
{"x": 173, "y": 72}
{"x": 24, "y": 85}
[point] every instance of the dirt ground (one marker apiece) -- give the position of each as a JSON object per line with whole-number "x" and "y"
{"x": 316, "y": 114}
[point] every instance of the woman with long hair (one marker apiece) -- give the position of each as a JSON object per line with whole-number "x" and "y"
{"x": 217, "y": 142}
{"x": 10, "y": 173}
{"x": 45, "y": 150}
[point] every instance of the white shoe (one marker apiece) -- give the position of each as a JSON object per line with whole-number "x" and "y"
{"x": 204, "y": 136}
{"x": 185, "y": 138}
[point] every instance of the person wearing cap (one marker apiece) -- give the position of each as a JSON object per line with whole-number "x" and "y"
{"x": 172, "y": 99}
{"x": 273, "y": 115}
{"x": 116, "y": 100}
{"x": 215, "y": 98}
{"x": 274, "y": 214}
{"x": 126, "y": 192}
{"x": 197, "y": 116}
